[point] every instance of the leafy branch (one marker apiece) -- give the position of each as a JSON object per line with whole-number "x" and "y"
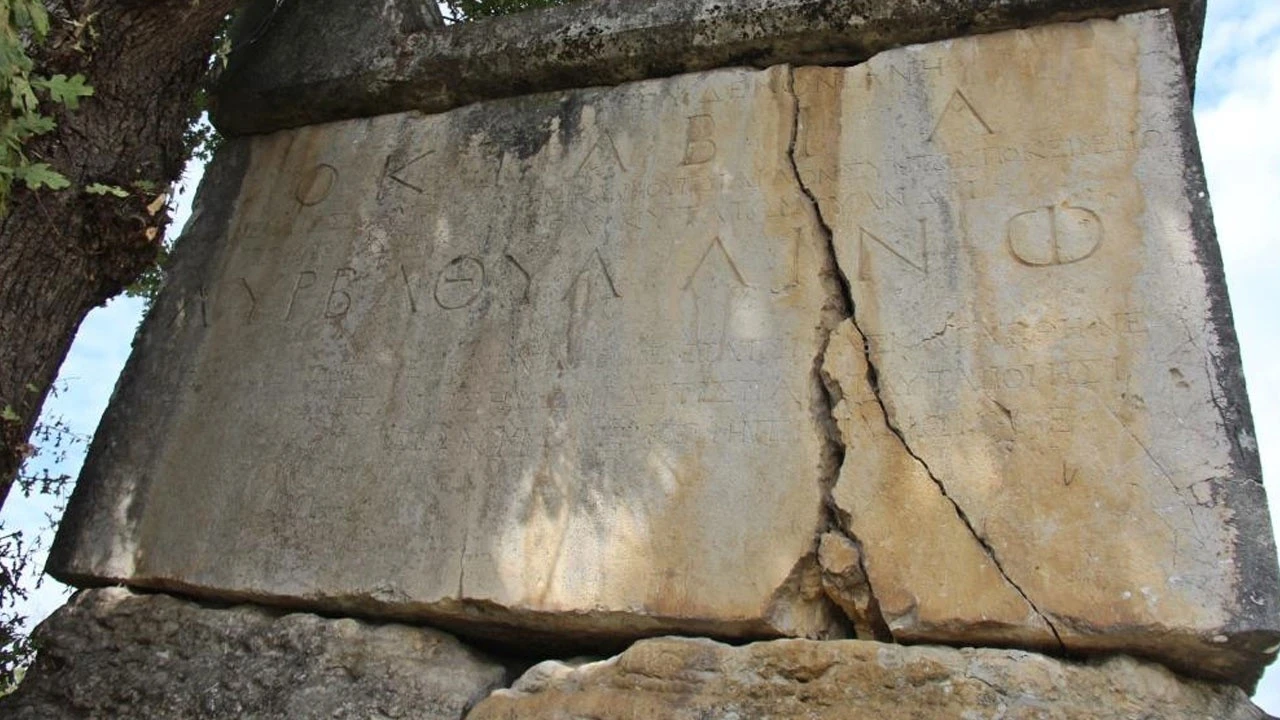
{"x": 55, "y": 444}
{"x": 23, "y": 25}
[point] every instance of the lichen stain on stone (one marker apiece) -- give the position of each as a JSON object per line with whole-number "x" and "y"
{"x": 524, "y": 126}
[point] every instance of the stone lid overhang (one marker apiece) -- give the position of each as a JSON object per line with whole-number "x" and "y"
{"x": 302, "y": 63}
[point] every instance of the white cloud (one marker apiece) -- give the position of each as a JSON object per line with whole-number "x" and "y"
{"x": 1235, "y": 31}
{"x": 1240, "y": 140}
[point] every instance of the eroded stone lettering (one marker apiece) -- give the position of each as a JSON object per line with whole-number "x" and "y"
{"x": 394, "y": 175}
{"x": 699, "y": 146}
{"x": 253, "y": 301}
{"x": 316, "y": 184}
{"x": 338, "y": 302}
{"x": 305, "y": 280}
{"x": 460, "y": 283}
{"x": 1054, "y": 235}
{"x": 918, "y": 259}
{"x": 960, "y": 116}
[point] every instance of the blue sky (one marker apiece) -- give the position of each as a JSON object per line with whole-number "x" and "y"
{"x": 1238, "y": 114}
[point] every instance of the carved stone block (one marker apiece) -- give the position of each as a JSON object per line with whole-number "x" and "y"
{"x": 587, "y": 366}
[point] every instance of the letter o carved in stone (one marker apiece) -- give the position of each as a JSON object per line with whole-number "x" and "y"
{"x": 316, "y": 184}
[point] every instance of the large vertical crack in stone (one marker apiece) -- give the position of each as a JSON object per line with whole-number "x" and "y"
{"x": 834, "y": 276}
{"x": 827, "y": 394}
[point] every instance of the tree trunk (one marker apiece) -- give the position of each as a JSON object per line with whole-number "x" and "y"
{"x": 64, "y": 252}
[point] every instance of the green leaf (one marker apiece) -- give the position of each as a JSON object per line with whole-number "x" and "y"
{"x": 29, "y": 124}
{"x": 66, "y": 90}
{"x": 100, "y": 189}
{"x": 32, "y": 15}
{"x": 21, "y": 96}
{"x": 39, "y": 19}
{"x": 9, "y": 414}
{"x": 32, "y": 388}
{"x": 37, "y": 175}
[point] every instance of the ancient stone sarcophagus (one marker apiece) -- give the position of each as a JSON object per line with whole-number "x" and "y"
{"x": 939, "y": 337}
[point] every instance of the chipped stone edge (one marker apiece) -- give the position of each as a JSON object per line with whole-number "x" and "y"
{"x": 275, "y": 83}
{"x": 1255, "y": 624}
{"x": 92, "y": 543}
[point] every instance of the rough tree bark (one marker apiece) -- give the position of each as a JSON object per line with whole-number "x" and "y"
{"x": 62, "y": 253}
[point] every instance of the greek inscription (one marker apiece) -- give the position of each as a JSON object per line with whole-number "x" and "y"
{"x": 339, "y": 300}
{"x": 316, "y": 184}
{"x": 752, "y": 352}
{"x": 810, "y": 81}
{"x": 699, "y": 147}
{"x": 712, "y": 292}
{"x": 761, "y": 432}
{"x": 460, "y": 283}
{"x": 720, "y": 94}
{"x": 604, "y": 153}
{"x": 1080, "y": 372}
{"x": 306, "y": 279}
{"x": 528, "y": 279}
{"x": 960, "y": 114}
{"x": 1069, "y": 474}
{"x": 1030, "y": 331}
{"x": 1054, "y": 235}
{"x": 1035, "y": 150}
{"x": 918, "y": 260}
{"x": 785, "y": 208}
{"x": 583, "y": 283}
{"x": 393, "y": 175}
{"x": 881, "y": 198}
{"x": 253, "y": 301}
{"x": 894, "y": 74}
{"x": 408, "y": 289}
{"x": 585, "y": 287}
{"x": 726, "y": 262}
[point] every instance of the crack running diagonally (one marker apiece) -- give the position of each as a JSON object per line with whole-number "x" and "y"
{"x": 824, "y": 395}
{"x": 849, "y": 311}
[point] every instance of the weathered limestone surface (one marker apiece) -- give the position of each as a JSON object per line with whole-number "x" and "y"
{"x": 300, "y": 69}
{"x": 1022, "y": 228}
{"x": 548, "y": 363}
{"x": 112, "y": 654}
{"x": 688, "y": 679}
{"x": 590, "y": 366}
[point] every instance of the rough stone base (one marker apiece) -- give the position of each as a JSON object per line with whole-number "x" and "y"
{"x": 692, "y": 679}
{"x": 113, "y": 654}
